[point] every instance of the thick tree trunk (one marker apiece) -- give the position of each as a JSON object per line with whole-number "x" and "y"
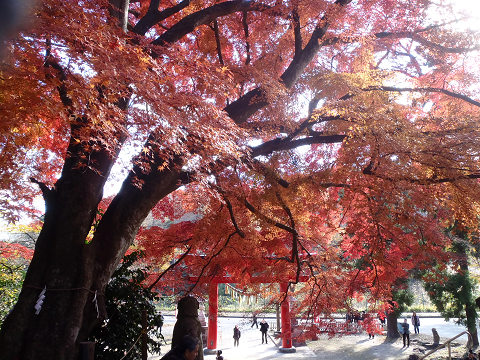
{"x": 61, "y": 264}
{"x": 392, "y": 329}
{"x": 471, "y": 322}
{"x": 120, "y": 223}
{"x": 74, "y": 272}
{"x": 470, "y": 311}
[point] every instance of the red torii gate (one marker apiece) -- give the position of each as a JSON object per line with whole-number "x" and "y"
{"x": 213, "y": 312}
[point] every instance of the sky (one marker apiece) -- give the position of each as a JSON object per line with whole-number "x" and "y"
{"x": 471, "y": 8}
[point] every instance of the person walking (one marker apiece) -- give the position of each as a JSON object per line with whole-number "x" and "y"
{"x": 264, "y": 328}
{"x": 405, "y": 333}
{"x": 254, "y": 320}
{"x": 416, "y": 323}
{"x": 236, "y": 335}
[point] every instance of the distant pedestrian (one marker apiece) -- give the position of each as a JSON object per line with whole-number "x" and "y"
{"x": 219, "y": 355}
{"x": 254, "y": 320}
{"x": 264, "y": 328}
{"x": 236, "y": 335}
{"x": 416, "y": 322}
{"x": 404, "y": 327}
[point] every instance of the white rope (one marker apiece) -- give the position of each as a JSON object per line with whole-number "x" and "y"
{"x": 39, "y": 303}
{"x": 96, "y": 304}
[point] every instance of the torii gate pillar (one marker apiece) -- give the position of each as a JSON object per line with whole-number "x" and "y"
{"x": 286, "y": 325}
{"x": 212, "y": 318}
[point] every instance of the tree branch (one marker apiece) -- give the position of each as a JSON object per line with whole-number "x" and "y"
{"x": 46, "y": 191}
{"x": 297, "y": 32}
{"x": 268, "y": 220}
{"x": 294, "y": 256}
{"x": 204, "y": 17}
{"x": 414, "y": 36}
{"x": 285, "y": 144}
{"x": 245, "y": 106}
{"x": 425, "y": 90}
{"x": 245, "y": 30}
{"x": 50, "y": 61}
{"x": 230, "y": 211}
{"x": 210, "y": 260}
{"x": 153, "y": 16}
{"x": 217, "y": 40}
{"x": 425, "y": 181}
{"x": 119, "y": 10}
{"x": 269, "y": 173}
{"x": 305, "y": 56}
{"x": 170, "y": 267}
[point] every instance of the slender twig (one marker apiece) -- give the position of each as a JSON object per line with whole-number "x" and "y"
{"x": 245, "y": 30}
{"x": 217, "y": 40}
{"x": 169, "y": 268}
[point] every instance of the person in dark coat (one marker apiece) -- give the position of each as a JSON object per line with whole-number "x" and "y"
{"x": 187, "y": 349}
{"x": 405, "y": 333}
{"x": 236, "y": 335}
{"x": 264, "y": 328}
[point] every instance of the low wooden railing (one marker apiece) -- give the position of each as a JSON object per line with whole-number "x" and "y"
{"x": 447, "y": 344}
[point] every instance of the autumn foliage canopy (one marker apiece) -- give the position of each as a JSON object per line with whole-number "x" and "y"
{"x": 333, "y": 140}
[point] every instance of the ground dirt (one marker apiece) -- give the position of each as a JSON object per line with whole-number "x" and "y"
{"x": 360, "y": 347}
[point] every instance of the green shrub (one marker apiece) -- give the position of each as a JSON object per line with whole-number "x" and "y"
{"x": 126, "y": 298}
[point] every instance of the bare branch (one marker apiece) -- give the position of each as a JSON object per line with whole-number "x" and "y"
{"x": 423, "y": 181}
{"x": 204, "y": 267}
{"x": 153, "y": 16}
{"x": 46, "y": 191}
{"x": 269, "y": 173}
{"x": 245, "y": 30}
{"x": 304, "y": 57}
{"x": 169, "y": 268}
{"x": 297, "y": 33}
{"x": 217, "y": 40}
{"x": 204, "y": 17}
{"x": 230, "y": 211}
{"x": 50, "y": 61}
{"x": 268, "y": 220}
{"x": 285, "y": 144}
{"x": 294, "y": 255}
{"x": 425, "y": 90}
{"x": 421, "y": 40}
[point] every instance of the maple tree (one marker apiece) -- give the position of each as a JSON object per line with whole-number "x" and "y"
{"x": 331, "y": 139}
